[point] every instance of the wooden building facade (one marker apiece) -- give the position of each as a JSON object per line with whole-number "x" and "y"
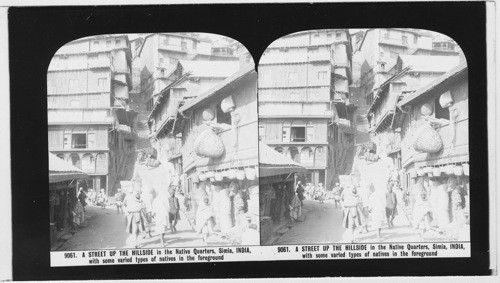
{"x": 303, "y": 94}
{"x": 90, "y": 123}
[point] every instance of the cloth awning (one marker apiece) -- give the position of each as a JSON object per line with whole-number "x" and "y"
{"x": 272, "y": 163}
{"x": 60, "y": 170}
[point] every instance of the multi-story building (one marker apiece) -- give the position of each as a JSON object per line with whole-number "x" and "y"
{"x": 89, "y": 121}
{"x": 377, "y": 52}
{"x": 304, "y": 107}
{"x": 156, "y": 59}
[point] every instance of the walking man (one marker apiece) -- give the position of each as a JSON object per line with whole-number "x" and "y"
{"x": 391, "y": 202}
{"x": 119, "y": 197}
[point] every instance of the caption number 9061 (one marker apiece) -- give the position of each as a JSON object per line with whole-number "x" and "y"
{"x": 283, "y": 249}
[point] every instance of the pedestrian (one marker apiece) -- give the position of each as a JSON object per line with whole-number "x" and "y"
{"x": 376, "y": 206}
{"x": 337, "y": 193}
{"x": 119, "y": 198}
{"x": 136, "y": 220}
{"x": 365, "y": 190}
{"x": 78, "y": 215}
{"x": 300, "y": 192}
{"x": 352, "y": 215}
{"x": 295, "y": 208}
{"x": 81, "y": 197}
{"x": 174, "y": 207}
{"x": 204, "y": 222}
{"x": 391, "y": 202}
{"x": 102, "y": 199}
{"x": 421, "y": 210}
{"x": 320, "y": 195}
{"x": 161, "y": 213}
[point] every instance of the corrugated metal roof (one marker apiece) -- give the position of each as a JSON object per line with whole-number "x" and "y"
{"x": 210, "y": 69}
{"x": 450, "y": 76}
{"x": 424, "y": 63}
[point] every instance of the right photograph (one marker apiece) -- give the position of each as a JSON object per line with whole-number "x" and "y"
{"x": 363, "y": 138}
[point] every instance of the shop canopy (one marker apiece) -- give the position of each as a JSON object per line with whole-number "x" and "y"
{"x": 60, "y": 170}
{"x": 273, "y": 163}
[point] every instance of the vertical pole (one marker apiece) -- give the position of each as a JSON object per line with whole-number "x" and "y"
{"x": 107, "y": 185}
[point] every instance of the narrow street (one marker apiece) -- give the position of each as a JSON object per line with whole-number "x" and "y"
{"x": 323, "y": 224}
{"x": 106, "y": 230}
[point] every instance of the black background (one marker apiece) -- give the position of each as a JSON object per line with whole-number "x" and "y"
{"x": 35, "y": 34}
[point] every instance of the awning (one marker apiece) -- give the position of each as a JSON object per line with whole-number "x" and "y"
{"x": 60, "y": 170}
{"x": 272, "y": 163}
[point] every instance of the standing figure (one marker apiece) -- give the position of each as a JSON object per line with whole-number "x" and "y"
{"x": 161, "y": 212}
{"x": 352, "y": 215}
{"x": 204, "y": 223}
{"x": 391, "y": 202}
{"x": 102, "y": 199}
{"x": 78, "y": 215}
{"x": 421, "y": 210}
{"x": 376, "y": 207}
{"x": 174, "y": 207}
{"x": 119, "y": 197}
{"x": 320, "y": 193}
{"x": 295, "y": 208}
{"x": 136, "y": 220}
{"x": 300, "y": 192}
{"x": 337, "y": 193}
{"x": 81, "y": 197}
{"x": 365, "y": 190}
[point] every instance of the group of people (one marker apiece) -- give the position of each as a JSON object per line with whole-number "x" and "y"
{"x": 365, "y": 207}
{"x": 94, "y": 198}
{"x": 141, "y": 211}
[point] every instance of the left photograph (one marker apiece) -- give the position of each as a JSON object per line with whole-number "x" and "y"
{"x": 153, "y": 142}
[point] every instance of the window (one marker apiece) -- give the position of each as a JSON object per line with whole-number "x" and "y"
{"x": 102, "y": 82}
{"x": 329, "y": 35}
{"x": 223, "y": 118}
{"x": 322, "y": 75}
{"x": 292, "y": 78}
{"x": 96, "y": 43}
{"x": 118, "y": 42}
{"x": 440, "y": 112}
{"x": 298, "y": 132}
{"x": 279, "y": 149}
{"x": 61, "y": 156}
{"x": 108, "y": 43}
{"x": 161, "y": 60}
{"x": 338, "y": 35}
{"x": 78, "y": 141}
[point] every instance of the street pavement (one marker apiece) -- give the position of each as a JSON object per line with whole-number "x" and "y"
{"x": 323, "y": 224}
{"x": 107, "y": 230}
